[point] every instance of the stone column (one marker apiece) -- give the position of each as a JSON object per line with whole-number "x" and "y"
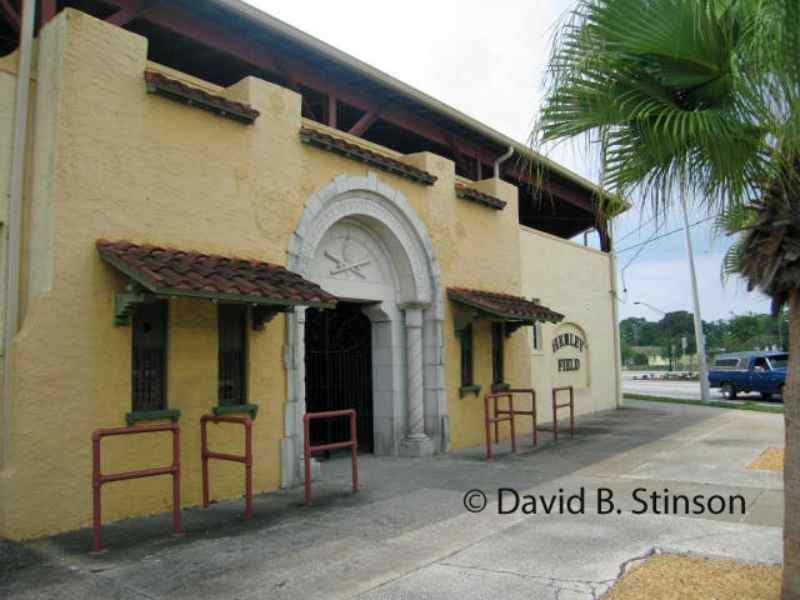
{"x": 416, "y": 443}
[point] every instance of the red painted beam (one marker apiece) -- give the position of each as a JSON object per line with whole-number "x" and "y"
{"x": 210, "y": 34}
{"x": 48, "y": 10}
{"x": 332, "y": 112}
{"x": 368, "y": 119}
{"x": 458, "y": 155}
{"x": 127, "y": 14}
{"x": 10, "y": 13}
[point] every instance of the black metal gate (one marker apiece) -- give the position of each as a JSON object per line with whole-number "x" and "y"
{"x": 339, "y": 372}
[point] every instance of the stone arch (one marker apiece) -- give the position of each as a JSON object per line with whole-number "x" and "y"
{"x": 411, "y": 403}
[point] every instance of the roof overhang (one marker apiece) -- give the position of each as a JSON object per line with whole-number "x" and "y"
{"x": 514, "y": 311}
{"x": 157, "y": 271}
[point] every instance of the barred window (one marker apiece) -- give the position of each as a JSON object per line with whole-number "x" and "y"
{"x": 150, "y": 356}
{"x": 466, "y": 356}
{"x": 498, "y": 337}
{"x": 232, "y": 325}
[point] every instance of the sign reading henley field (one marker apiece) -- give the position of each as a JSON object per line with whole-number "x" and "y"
{"x": 564, "y": 340}
{"x": 569, "y": 351}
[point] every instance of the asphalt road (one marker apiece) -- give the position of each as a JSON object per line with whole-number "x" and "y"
{"x": 684, "y": 390}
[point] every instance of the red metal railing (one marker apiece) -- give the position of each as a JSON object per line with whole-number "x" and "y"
{"x": 501, "y": 415}
{"x": 556, "y": 406}
{"x": 98, "y": 479}
{"x": 497, "y": 418}
{"x": 530, "y": 413}
{"x": 310, "y": 450}
{"x": 246, "y": 459}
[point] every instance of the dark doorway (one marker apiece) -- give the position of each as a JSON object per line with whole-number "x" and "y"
{"x": 339, "y": 372}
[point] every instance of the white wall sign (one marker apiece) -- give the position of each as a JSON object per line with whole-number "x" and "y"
{"x": 570, "y": 356}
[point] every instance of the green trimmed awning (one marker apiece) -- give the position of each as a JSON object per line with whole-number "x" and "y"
{"x": 515, "y": 311}
{"x": 162, "y": 271}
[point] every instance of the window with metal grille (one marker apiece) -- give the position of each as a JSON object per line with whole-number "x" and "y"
{"x": 150, "y": 356}
{"x": 498, "y": 336}
{"x": 466, "y": 355}
{"x": 232, "y": 324}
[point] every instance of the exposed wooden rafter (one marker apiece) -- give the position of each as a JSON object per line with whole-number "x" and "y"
{"x": 301, "y": 73}
{"x": 127, "y": 14}
{"x": 10, "y": 13}
{"x": 332, "y": 110}
{"x": 368, "y": 119}
{"x": 48, "y": 10}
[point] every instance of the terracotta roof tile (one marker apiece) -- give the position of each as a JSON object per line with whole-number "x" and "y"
{"x": 178, "y": 273}
{"x": 473, "y": 195}
{"x": 504, "y": 306}
{"x": 341, "y": 146}
{"x": 158, "y": 83}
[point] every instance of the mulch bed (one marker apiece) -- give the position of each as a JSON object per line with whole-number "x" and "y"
{"x": 673, "y": 577}
{"x": 769, "y": 460}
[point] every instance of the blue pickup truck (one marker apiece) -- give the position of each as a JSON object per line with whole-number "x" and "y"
{"x": 744, "y": 372}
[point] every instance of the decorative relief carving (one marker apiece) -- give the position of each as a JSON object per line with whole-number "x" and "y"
{"x": 352, "y": 258}
{"x": 363, "y": 206}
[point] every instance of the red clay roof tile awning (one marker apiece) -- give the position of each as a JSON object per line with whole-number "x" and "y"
{"x": 158, "y": 83}
{"x": 171, "y": 272}
{"x": 503, "y": 307}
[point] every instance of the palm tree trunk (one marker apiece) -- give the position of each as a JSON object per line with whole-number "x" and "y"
{"x": 791, "y": 468}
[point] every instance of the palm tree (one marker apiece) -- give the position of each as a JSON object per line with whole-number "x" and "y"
{"x": 698, "y": 99}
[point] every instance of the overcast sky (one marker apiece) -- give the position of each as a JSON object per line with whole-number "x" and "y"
{"x": 487, "y": 60}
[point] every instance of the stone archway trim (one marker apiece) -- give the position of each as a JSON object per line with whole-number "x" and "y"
{"x": 354, "y": 196}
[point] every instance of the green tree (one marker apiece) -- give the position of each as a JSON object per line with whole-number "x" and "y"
{"x": 698, "y": 99}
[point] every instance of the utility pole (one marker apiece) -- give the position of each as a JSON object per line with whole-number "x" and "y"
{"x": 705, "y": 393}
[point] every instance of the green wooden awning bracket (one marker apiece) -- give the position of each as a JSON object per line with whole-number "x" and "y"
{"x": 126, "y": 302}
{"x": 263, "y": 314}
{"x": 462, "y": 317}
{"x": 512, "y": 326}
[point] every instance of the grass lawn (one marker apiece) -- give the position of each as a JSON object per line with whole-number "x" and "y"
{"x": 747, "y": 405}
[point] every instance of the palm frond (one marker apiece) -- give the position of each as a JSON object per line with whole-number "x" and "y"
{"x": 675, "y": 92}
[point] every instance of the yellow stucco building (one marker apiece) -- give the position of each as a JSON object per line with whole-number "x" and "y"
{"x": 202, "y": 234}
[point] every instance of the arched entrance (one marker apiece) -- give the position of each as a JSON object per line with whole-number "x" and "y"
{"x": 362, "y": 241}
{"x": 339, "y": 372}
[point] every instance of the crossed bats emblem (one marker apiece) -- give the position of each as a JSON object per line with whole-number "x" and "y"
{"x": 348, "y": 263}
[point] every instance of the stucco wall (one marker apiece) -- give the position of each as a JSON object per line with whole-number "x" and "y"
{"x": 111, "y": 161}
{"x": 576, "y": 282}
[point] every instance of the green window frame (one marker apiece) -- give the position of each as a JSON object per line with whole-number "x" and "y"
{"x": 149, "y": 363}
{"x": 467, "y": 357}
{"x": 232, "y": 354}
{"x": 149, "y": 357}
{"x": 498, "y": 362}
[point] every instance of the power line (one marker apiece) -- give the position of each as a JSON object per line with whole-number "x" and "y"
{"x": 674, "y": 231}
{"x": 638, "y": 229}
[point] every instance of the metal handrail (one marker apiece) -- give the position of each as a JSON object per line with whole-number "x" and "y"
{"x": 352, "y": 443}
{"x": 98, "y": 479}
{"x": 570, "y": 405}
{"x": 531, "y": 413}
{"x": 506, "y": 415}
{"x": 246, "y": 459}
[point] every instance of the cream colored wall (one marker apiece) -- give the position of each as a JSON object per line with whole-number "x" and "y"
{"x": 576, "y": 282}
{"x": 111, "y": 161}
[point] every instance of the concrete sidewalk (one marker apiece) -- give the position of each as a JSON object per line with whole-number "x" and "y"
{"x": 406, "y": 534}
